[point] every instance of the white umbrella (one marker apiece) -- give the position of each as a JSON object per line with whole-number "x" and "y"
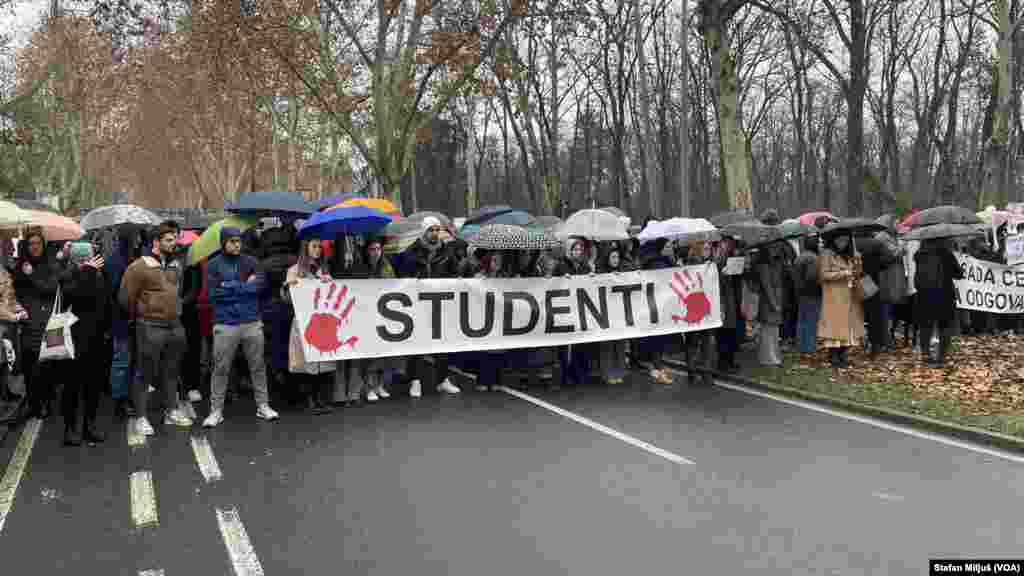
{"x": 597, "y": 225}
{"x": 683, "y": 229}
{"x": 11, "y": 216}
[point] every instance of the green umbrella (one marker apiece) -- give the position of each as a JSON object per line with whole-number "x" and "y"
{"x": 209, "y": 242}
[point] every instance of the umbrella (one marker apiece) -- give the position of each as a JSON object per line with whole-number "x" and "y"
{"x": 511, "y": 216}
{"x": 272, "y": 204}
{"x": 943, "y": 215}
{"x": 683, "y": 229}
{"x": 510, "y": 237}
{"x": 110, "y": 216}
{"x": 735, "y": 217}
{"x": 795, "y": 229}
{"x": 335, "y": 199}
{"x": 343, "y": 221}
{"x": 208, "y": 242}
{"x": 753, "y": 232}
{"x": 888, "y": 220}
{"x": 55, "y": 227}
{"x": 996, "y": 217}
{"x": 26, "y": 204}
{"x": 187, "y": 237}
{"x": 618, "y": 212}
{"x": 943, "y": 231}
{"x": 484, "y": 212}
{"x": 811, "y": 218}
{"x": 378, "y": 204}
{"x": 548, "y": 222}
{"x": 595, "y": 225}
{"x": 11, "y": 216}
{"x": 853, "y": 226}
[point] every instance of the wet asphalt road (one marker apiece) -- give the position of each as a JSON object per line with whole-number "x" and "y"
{"x": 490, "y": 484}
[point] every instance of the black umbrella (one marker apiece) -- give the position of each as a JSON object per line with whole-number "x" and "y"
{"x": 486, "y": 212}
{"x": 853, "y": 226}
{"x": 948, "y": 214}
{"x": 943, "y": 231}
{"x": 27, "y": 204}
{"x": 753, "y": 233}
{"x": 272, "y": 204}
{"x": 726, "y": 218}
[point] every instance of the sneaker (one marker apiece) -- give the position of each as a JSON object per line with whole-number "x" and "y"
{"x": 214, "y": 419}
{"x": 448, "y": 387}
{"x": 151, "y": 389}
{"x": 195, "y": 396}
{"x": 177, "y": 417}
{"x": 382, "y": 392}
{"x": 266, "y": 412}
{"x": 371, "y": 396}
{"x": 142, "y": 426}
{"x": 415, "y": 390}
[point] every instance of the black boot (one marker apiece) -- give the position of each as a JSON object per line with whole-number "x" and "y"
{"x": 92, "y": 435}
{"x": 72, "y": 437}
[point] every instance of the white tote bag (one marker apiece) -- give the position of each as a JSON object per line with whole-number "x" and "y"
{"x": 57, "y": 343}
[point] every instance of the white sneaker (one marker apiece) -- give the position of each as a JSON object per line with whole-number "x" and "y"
{"x": 266, "y": 412}
{"x": 177, "y": 417}
{"x": 195, "y": 396}
{"x": 215, "y": 418}
{"x": 142, "y": 426}
{"x": 151, "y": 389}
{"x": 415, "y": 389}
{"x": 371, "y": 396}
{"x": 448, "y": 387}
{"x": 382, "y": 392}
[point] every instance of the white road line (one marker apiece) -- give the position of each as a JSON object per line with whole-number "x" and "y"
{"x": 243, "y": 557}
{"x": 877, "y": 423}
{"x": 16, "y": 467}
{"x": 670, "y": 456}
{"x": 205, "y": 459}
{"x": 135, "y": 440}
{"x": 154, "y": 572}
{"x": 143, "y": 499}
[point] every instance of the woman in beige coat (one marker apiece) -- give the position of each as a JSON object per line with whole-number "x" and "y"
{"x": 841, "y": 324}
{"x": 312, "y": 378}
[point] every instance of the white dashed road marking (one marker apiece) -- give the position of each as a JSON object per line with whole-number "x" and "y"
{"x": 205, "y": 459}
{"x": 670, "y": 456}
{"x": 143, "y": 499}
{"x": 16, "y": 467}
{"x": 243, "y": 557}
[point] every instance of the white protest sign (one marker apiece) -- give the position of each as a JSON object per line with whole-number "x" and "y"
{"x": 1015, "y": 249}
{"x": 734, "y": 266}
{"x": 989, "y": 287}
{"x": 351, "y": 319}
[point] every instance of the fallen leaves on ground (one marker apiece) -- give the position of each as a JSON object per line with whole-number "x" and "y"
{"x": 985, "y": 374}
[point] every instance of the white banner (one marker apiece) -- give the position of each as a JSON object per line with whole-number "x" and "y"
{"x": 350, "y": 319}
{"x": 989, "y": 287}
{"x": 1015, "y": 249}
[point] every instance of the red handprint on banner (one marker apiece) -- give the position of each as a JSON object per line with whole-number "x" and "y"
{"x": 689, "y": 287}
{"x": 325, "y": 324}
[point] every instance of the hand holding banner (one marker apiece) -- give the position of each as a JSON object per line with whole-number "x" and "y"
{"x": 351, "y": 319}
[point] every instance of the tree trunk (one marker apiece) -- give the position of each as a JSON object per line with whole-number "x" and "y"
{"x": 993, "y": 189}
{"x": 733, "y": 144}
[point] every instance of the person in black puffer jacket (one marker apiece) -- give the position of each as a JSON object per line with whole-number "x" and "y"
{"x": 85, "y": 290}
{"x": 575, "y": 361}
{"x": 37, "y": 277}
{"x": 937, "y": 268}
{"x": 279, "y": 249}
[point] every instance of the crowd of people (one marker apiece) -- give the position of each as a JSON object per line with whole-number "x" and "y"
{"x": 152, "y": 324}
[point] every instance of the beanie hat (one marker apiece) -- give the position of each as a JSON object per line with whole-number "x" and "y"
{"x": 227, "y": 233}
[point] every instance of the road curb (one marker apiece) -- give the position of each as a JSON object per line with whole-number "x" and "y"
{"x": 968, "y": 433}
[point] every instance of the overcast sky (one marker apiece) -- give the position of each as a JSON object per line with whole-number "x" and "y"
{"x": 26, "y": 13}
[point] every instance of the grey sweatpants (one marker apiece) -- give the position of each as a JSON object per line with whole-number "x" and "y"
{"x": 160, "y": 350}
{"x": 226, "y": 340}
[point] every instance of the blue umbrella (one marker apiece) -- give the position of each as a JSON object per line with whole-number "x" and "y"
{"x": 347, "y": 221}
{"x": 272, "y": 204}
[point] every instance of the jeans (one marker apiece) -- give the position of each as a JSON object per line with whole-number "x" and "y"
{"x": 807, "y": 324}
{"x": 226, "y": 340}
{"x": 160, "y": 349}
{"x": 121, "y": 369}
{"x": 574, "y": 366}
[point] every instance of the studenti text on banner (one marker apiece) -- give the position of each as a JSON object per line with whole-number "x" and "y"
{"x": 352, "y": 319}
